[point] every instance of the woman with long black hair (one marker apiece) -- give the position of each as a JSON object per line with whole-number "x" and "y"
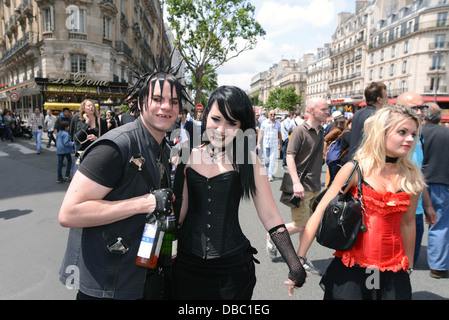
{"x": 215, "y": 259}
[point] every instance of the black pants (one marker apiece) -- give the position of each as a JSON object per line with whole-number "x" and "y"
{"x": 355, "y": 283}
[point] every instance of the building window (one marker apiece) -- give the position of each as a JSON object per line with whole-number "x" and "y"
{"x": 397, "y": 32}
{"x": 404, "y": 86}
{"x": 404, "y": 67}
{"x": 434, "y": 84}
{"x": 410, "y": 25}
{"x": 439, "y": 41}
{"x": 48, "y": 19}
{"x": 441, "y": 20}
{"x": 393, "y": 51}
{"x": 436, "y": 62}
{"x": 406, "y": 46}
{"x": 77, "y": 19}
{"x": 77, "y": 63}
{"x": 107, "y": 28}
{"x": 392, "y": 70}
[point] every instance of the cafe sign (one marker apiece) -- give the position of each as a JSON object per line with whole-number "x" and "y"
{"x": 79, "y": 79}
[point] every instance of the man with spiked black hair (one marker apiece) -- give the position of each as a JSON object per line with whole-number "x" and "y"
{"x": 123, "y": 178}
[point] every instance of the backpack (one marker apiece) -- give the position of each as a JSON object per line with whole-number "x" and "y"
{"x": 333, "y": 152}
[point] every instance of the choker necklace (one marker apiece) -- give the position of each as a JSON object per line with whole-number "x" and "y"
{"x": 391, "y": 160}
{"x": 215, "y": 152}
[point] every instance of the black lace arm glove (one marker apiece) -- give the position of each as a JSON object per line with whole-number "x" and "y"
{"x": 285, "y": 246}
{"x": 164, "y": 199}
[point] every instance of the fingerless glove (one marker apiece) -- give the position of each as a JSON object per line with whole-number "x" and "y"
{"x": 285, "y": 246}
{"x": 164, "y": 199}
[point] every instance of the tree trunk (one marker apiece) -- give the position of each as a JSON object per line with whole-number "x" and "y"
{"x": 199, "y": 92}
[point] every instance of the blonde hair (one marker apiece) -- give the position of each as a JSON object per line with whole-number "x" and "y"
{"x": 83, "y": 107}
{"x": 96, "y": 114}
{"x": 372, "y": 152}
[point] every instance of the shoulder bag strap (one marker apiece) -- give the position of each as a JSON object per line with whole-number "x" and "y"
{"x": 359, "y": 179}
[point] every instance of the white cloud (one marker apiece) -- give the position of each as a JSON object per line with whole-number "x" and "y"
{"x": 279, "y": 18}
{"x": 293, "y": 28}
{"x": 251, "y": 60}
{"x": 241, "y": 80}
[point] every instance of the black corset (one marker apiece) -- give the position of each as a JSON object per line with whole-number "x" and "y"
{"x": 211, "y": 227}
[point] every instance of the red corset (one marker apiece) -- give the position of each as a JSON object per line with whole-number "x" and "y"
{"x": 381, "y": 245}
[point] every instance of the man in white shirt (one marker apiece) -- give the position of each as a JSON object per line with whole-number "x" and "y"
{"x": 271, "y": 138}
{"x": 49, "y": 126}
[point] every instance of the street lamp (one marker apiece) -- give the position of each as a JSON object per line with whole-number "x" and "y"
{"x": 437, "y": 79}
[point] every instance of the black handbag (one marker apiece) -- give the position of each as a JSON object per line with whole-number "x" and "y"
{"x": 287, "y": 196}
{"x": 343, "y": 217}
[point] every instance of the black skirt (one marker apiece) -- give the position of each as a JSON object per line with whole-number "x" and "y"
{"x": 233, "y": 278}
{"x": 355, "y": 283}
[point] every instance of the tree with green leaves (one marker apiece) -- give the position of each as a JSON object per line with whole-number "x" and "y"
{"x": 211, "y": 32}
{"x": 284, "y": 99}
{"x": 209, "y": 84}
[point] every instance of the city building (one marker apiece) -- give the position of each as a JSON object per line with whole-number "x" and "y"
{"x": 257, "y": 91}
{"x": 348, "y": 58}
{"x": 56, "y": 53}
{"x": 318, "y": 72}
{"x": 409, "y": 50}
{"x": 402, "y": 43}
{"x": 286, "y": 73}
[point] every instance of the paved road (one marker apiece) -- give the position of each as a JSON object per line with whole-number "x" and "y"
{"x": 33, "y": 243}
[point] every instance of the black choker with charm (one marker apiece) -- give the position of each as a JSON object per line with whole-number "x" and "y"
{"x": 391, "y": 160}
{"x": 215, "y": 152}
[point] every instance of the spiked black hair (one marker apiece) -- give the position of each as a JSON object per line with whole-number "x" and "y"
{"x": 138, "y": 95}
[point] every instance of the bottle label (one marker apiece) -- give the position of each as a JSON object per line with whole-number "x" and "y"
{"x": 174, "y": 250}
{"x": 147, "y": 241}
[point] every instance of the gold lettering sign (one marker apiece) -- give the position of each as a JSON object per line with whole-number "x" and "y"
{"x": 80, "y": 79}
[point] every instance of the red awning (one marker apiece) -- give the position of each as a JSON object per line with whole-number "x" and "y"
{"x": 390, "y": 101}
{"x": 439, "y": 99}
{"x": 445, "y": 119}
{"x": 426, "y": 99}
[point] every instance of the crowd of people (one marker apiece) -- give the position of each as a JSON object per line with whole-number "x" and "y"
{"x": 127, "y": 174}
{"x": 405, "y": 180}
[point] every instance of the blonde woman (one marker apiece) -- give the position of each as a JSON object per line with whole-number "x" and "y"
{"x": 379, "y": 264}
{"x": 89, "y": 127}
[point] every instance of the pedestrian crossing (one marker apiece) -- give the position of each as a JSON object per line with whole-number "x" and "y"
{"x": 8, "y": 149}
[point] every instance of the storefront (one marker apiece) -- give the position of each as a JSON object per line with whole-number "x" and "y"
{"x": 60, "y": 93}
{"x": 346, "y": 106}
{"x": 55, "y": 94}
{"x": 443, "y": 103}
{"x": 21, "y": 98}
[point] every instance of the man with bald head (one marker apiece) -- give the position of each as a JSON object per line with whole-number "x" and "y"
{"x": 436, "y": 172}
{"x": 413, "y": 100}
{"x": 416, "y": 102}
{"x": 304, "y": 159}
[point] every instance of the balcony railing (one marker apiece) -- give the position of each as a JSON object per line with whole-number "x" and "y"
{"x": 421, "y": 26}
{"x": 438, "y": 45}
{"x": 346, "y": 78}
{"x": 17, "y": 46}
{"x": 441, "y": 89}
{"x": 121, "y": 46}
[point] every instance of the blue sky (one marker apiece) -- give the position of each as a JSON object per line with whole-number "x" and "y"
{"x": 293, "y": 28}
